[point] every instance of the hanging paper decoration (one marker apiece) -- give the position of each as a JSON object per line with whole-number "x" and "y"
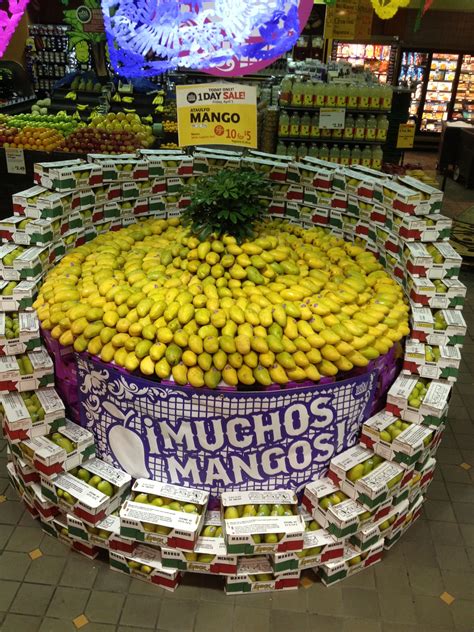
{"x": 9, "y": 21}
{"x": 149, "y": 37}
{"x": 386, "y": 9}
{"x": 421, "y": 12}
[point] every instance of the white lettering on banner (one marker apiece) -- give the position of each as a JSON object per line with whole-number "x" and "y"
{"x": 218, "y": 441}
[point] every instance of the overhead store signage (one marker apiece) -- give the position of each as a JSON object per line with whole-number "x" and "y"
{"x": 217, "y": 114}
{"x": 349, "y": 20}
{"x": 406, "y": 136}
{"x": 227, "y": 38}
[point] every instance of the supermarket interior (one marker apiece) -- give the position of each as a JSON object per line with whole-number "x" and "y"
{"x": 237, "y": 315}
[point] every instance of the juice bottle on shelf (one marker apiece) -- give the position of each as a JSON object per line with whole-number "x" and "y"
{"x": 352, "y": 96}
{"x": 366, "y": 157}
{"x": 341, "y": 96}
{"x": 314, "y": 151}
{"x": 291, "y": 150}
{"x": 334, "y": 154}
{"x": 374, "y": 101}
{"x": 324, "y": 152}
{"x": 337, "y": 133}
{"x": 356, "y": 155}
{"x": 294, "y": 125}
{"x": 302, "y": 151}
{"x": 386, "y": 103}
{"x": 284, "y": 124}
{"x": 320, "y": 90}
{"x": 382, "y": 128}
{"x": 285, "y": 91}
{"x": 325, "y": 133}
{"x": 377, "y": 157}
{"x": 308, "y": 94}
{"x": 345, "y": 158}
{"x": 363, "y": 97}
{"x": 315, "y": 131}
{"x": 349, "y": 127}
{"x": 359, "y": 127}
{"x": 371, "y": 128}
{"x": 331, "y": 93}
{"x": 281, "y": 149}
{"x": 305, "y": 125}
{"x": 297, "y": 95}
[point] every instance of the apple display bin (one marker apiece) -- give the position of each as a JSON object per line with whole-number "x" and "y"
{"x": 223, "y": 439}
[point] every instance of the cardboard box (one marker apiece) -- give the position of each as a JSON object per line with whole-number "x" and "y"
{"x": 437, "y": 363}
{"x": 209, "y": 555}
{"x": 18, "y": 296}
{"x": 262, "y": 534}
{"x": 412, "y": 515}
{"x": 46, "y": 510}
{"x": 369, "y": 535}
{"x": 274, "y": 170}
{"x": 145, "y": 563}
{"x": 402, "y": 199}
{"x": 67, "y": 175}
{"x": 423, "y": 327}
{"x": 167, "y": 162}
{"x": 155, "y": 524}
{"x": 433, "y": 408}
{"x": 28, "y": 337}
{"x": 405, "y": 446}
{"x": 371, "y": 489}
{"x": 212, "y": 163}
{"x": 434, "y": 260}
{"x": 316, "y": 175}
{"x": 449, "y": 293}
{"x": 25, "y": 471}
{"x": 353, "y": 562}
{"x": 75, "y": 496}
{"x": 20, "y": 424}
{"x": 436, "y": 227}
{"x": 50, "y": 459}
{"x": 16, "y": 378}
{"x": 432, "y": 197}
{"x": 255, "y": 575}
{"x": 341, "y": 519}
{"x": 57, "y": 528}
{"x": 100, "y": 535}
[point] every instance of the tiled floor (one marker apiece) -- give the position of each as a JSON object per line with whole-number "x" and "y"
{"x": 402, "y": 594}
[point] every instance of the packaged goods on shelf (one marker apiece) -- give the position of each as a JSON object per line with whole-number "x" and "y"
{"x": 46, "y": 509}
{"x": 434, "y": 362}
{"x": 120, "y": 169}
{"x": 18, "y": 296}
{"x": 353, "y": 562}
{"x": 40, "y": 203}
{"x": 418, "y": 400}
{"x": 147, "y": 518}
{"x": 435, "y": 227}
{"x": 28, "y": 415}
{"x": 340, "y": 515}
{"x": 443, "y": 327}
{"x": 25, "y": 471}
{"x": 255, "y": 574}
{"x": 211, "y": 163}
{"x": 410, "y": 517}
{"x": 145, "y": 563}
{"x": 261, "y": 522}
{"x": 437, "y": 294}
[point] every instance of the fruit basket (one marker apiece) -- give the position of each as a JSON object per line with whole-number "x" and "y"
{"x": 230, "y": 344}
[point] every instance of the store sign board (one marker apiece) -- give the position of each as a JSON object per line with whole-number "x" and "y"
{"x": 220, "y": 440}
{"x": 217, "y": 114}
{"x": 349, "y": 20}
{"x": 15, "y": 161}
{"x": 332, "y": 118}
{"x": 406, "y": 136}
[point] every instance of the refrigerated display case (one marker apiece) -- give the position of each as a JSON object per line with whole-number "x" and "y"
{"x": 378, "y": 57}
{"x": 439, "y": 91}
{"x": 413, "y": 73}
{"x": 464, "y": 99}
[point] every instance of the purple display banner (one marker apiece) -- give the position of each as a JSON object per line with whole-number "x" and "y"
{"x": 220, "y": 440}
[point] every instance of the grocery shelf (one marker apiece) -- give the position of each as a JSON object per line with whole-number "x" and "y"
{"x": 299, "y": 108}
{"x": 342, "y": 141}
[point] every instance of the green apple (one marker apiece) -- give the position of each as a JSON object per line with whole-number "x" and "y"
{"x": 263, "y": 510}
{"x": 175, "y": 506}
{"x": 83, "y": 474}
{"x": 231, "y": 513}
{"x": 257, "y": 538}
{"x": 355, "y": 472}
{"x": 141, "y": 498}
{"x": 190, "y": 508}
{"x": 249, "y": 511}
{"x": 209, "y": 531}
{"x": 270, "y": 538}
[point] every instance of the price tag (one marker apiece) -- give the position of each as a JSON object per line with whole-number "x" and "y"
{"x": 15, "y": 161}
{"x": 406, "y": 136}
{"x": 332, "y": 118}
